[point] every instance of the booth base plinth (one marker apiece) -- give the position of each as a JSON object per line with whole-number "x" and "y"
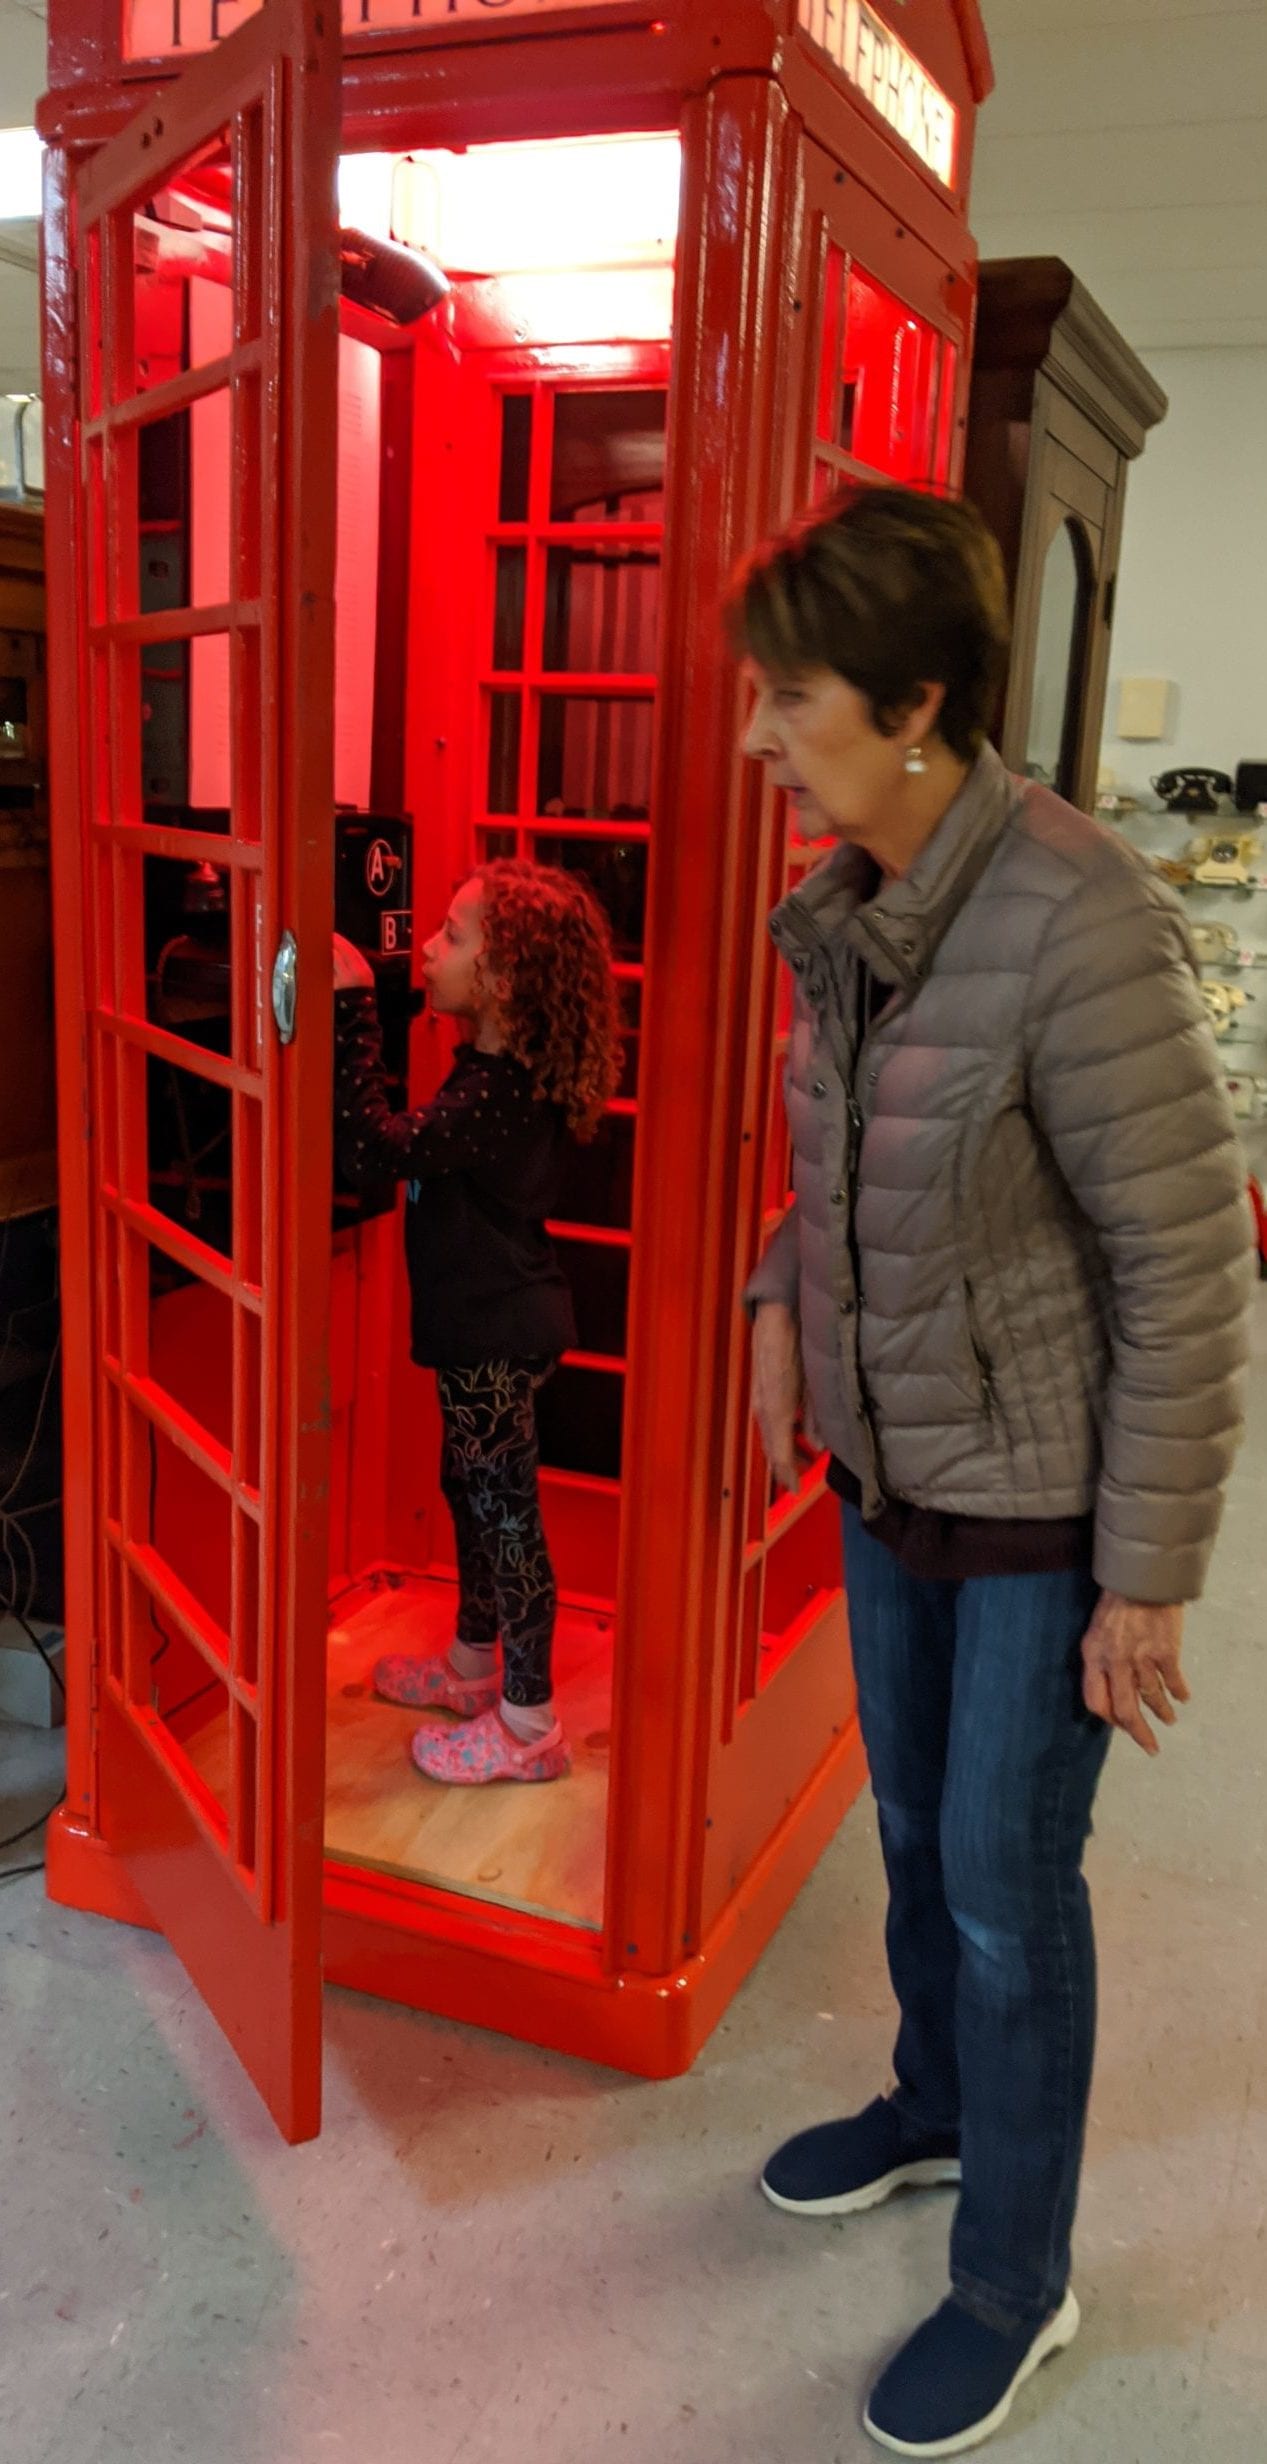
{"x": 82, "y": 1872}
{"x": 520, "y": 1976}
{"x": 543, "y": 1986}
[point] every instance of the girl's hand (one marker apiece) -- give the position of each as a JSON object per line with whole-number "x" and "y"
{"x": 352, "y": 972}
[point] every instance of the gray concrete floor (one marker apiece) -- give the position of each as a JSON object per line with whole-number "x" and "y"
{"x": 496, "y": 2252}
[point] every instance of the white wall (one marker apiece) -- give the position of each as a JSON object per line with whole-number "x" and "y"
{"x": 1192, "y": 587}
{"x": 22, "y": 78}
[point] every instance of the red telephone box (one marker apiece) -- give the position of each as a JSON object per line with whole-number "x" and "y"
{"x": 367, "y": 561}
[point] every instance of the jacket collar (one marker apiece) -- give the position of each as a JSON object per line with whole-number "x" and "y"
{"x": 898, "y": 929}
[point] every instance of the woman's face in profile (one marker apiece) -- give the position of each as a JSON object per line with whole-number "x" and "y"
{"x": 819, "y": 742}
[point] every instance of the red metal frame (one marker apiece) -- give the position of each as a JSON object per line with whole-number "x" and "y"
{"x": 523, "y": 831}
{"x": 232, "y": 1872}
{"x": 736, "y": 1749}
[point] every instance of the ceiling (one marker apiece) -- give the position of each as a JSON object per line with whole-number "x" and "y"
{"x": 1127, "y": 136}
{"x": 1130, "y": 138}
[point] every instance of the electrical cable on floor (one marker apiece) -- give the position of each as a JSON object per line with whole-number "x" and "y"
{"x": 11, "y": 1527}
{"x": 12, "y": 1524}
{"x": 29, "y": 1457}
{"x": 32, "y": 1637}
{"x": 16, "y": 1838}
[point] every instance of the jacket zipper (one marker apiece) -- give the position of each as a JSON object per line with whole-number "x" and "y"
{"x": 980, "y": 1349}
{"x": 853, "y": 1160}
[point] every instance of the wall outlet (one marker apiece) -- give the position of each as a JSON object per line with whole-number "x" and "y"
{"x": 1146, "y": 709}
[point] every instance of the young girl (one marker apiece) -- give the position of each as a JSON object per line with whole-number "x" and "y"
{"x": 523, "y": 962}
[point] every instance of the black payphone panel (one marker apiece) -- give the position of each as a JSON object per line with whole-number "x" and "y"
{"x": 373, "y": 889}
{"x": 187, "y": 925}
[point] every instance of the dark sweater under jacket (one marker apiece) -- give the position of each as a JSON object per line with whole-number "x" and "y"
{"x": 484, "y": 1164}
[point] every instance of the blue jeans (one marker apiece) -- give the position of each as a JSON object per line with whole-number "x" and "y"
{"x": 984, "y": 1763}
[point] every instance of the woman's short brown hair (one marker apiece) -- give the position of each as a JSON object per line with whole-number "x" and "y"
{"x": 894, "y": 590}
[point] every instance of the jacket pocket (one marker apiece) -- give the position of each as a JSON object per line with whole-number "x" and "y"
{"x": 984, "y": 1365}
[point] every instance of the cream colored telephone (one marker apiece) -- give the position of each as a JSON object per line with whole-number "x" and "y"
{"x": 1223, "y": 862}
{"x": 1223, "y": 1001}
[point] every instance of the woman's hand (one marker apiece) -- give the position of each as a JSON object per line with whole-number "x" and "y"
{"x": 778, "y": 1387}
{"x": 1130, "y": 1660}
{"x": 352, "y": 972}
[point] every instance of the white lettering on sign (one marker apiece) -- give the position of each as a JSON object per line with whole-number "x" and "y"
{"x": 893, "y": 82}
{"x": 381, "y": 865}
{"x": 159, "y": 29}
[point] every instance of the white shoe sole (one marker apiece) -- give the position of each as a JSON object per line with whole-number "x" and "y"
{"x": 1053, "y": 2338}
{"x": 928, "y": 2174}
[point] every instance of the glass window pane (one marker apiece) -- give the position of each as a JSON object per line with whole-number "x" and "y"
{"x": 616, "y": 872}
{"x": 183, "y": 273}
{"x": 190, "y": 1353}
{"x": 888, "y": 381}
{"x": 183, "y": 493}
{"x": 631, "y": 1012}
{"x": 594, "y": 758}
{"x": 191, "y": 1153}
{"x": 1057, "y": 661}
{"x": 187, "y": 950}
{"x": 579, "y": 1415}
{"x": 598, "y": 1179}
{"x": 608, "y": 461}
{"x": 829, "y": 365}
{"x": 504, "y": 734}
{"x": 508, "y": 609}
{"x": 189, "y": 1526}
{"x": 599, "y": 1278}
{"x": 164, "y": 728}
{"x": 602, "y": 610}
{"x": 946, "y": 414}
{"x": 512, "y": 501}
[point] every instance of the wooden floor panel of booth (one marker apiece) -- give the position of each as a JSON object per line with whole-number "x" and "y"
{"x": 540, "y": 1849}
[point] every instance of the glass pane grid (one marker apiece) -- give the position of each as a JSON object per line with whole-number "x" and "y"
{"x": 882, "y": 368}
{"x": 173, "y": 379}
{"x": 645, "y": 537}
{"x": 567, "y": 707}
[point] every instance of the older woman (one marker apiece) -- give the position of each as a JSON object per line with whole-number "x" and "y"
{"x": 1011, "y": 1302}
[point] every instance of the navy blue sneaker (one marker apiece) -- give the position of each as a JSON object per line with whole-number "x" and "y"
{"x": 953, "y": 2384}
{"x": 840, "y": 2168}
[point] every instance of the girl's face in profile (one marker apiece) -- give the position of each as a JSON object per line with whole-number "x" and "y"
{"x": 819, "y": 742}
{"x": 450, "y": 960}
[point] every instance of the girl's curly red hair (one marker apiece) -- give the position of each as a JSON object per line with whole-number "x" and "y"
{"x": 548, "y": 962}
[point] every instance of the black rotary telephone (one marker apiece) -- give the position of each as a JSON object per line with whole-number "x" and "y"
{"x": 1192, "y": 791}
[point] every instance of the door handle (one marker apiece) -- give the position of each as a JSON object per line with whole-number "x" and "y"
{"x": 285, "y": 986}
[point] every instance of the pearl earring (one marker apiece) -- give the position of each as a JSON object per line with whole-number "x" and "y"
{"x": 915, "y": 762}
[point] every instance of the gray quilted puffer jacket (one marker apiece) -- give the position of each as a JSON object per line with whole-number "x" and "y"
{"x": 1021, "y": 1248}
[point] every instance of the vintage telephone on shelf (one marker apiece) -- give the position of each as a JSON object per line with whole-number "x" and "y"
{"x": 1192, "y": 791}
{"x": 1222, "y": 1001}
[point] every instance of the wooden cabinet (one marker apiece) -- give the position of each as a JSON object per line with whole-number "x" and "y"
{"x": 1059, "y": 408}
{"x": 28, "y": 1136}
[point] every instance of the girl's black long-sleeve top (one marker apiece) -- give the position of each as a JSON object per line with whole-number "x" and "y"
{"x": 483, "y": 1163}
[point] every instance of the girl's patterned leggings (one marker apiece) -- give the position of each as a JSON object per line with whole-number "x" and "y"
{"x": 489, "y": 1477}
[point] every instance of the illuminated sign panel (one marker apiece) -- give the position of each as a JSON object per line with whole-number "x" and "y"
{"x": 874, "y": 61}
{"x": 158, "y": 29}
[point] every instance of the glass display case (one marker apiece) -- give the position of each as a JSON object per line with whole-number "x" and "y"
{"x": 1058, "y": 410}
